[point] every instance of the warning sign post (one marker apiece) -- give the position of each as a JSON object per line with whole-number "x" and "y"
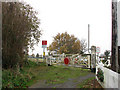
{"x": 44, "y": 45}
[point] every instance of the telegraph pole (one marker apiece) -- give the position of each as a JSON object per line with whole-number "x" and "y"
{"x": 118, "y": 19}
{"x": 88, "y": 37}
{"x": 114, "y": 61}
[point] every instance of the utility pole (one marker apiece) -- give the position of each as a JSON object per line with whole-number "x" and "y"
{"x": 88, "y": 37}
{"x": 0, "y": 44}
{"x": 118, "y": 24}
{"x": 114, "y": 61}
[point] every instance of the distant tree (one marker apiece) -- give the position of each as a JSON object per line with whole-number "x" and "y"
{"x": 37, "y": 55}
{"x": 83, "y": 46}
{"x": 65, "y": 43}
{"x": 33, "y": 55}
{"x": 106, "y": 54}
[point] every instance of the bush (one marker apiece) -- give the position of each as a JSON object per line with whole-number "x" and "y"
{"x": 100, "y": 75}
{"x": 10, "y": 80}
{"x": 29, "y": 63}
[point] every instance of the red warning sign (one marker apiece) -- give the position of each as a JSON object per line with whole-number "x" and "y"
{"x": 44, "y": 42}
{"x": 66, "y": 60}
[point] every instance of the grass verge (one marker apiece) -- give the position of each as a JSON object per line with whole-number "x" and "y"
{"x": 33, "y": 73}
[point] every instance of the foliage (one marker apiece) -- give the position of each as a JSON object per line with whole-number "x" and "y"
{"x": 100, "y": 75}
{"x": 106, "y": 53}
{"x": 83, "y": 45}
{"x": 19, "y": 32}
{"x": 30, "y": 64}
{"x": 33, "y": 55}
{"x": 11, "y": 79}
{"x": 37, "y": 55}
{"x": 65, "y": 43}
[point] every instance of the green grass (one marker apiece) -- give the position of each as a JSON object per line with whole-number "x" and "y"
{"x": 36, "y": 59}
{"x": 57, "y": 74}
{"x": 33, "y": 73}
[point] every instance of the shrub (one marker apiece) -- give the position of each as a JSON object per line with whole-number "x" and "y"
{"x": 29, "y": 63}
{"x": 13, "y": 80}
{"x": 100, "y": 75}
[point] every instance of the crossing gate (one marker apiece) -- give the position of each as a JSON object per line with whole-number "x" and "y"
{"x": 75, "y": 59}
{"x": 82, "y": 60}
{"x": 56, "y": 59}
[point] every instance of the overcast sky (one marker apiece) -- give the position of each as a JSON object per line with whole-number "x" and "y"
{"x": 73, "y": 16}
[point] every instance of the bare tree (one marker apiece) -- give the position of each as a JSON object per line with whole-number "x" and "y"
{"x": 83, "y": 46}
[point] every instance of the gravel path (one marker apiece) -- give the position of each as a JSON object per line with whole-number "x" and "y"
{"x": 71, "y": 83}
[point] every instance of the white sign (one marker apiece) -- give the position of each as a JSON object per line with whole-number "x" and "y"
{"x": 44, "y": 46}
{"x": 97, "y": 49}
{"x": 44, "y": 43}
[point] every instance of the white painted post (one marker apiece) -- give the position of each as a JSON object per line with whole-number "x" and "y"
{"x": 46, "y": 61}
{"x": 88, "y": 61}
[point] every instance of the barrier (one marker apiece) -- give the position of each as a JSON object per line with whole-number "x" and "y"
{"x": 74, "y": 60}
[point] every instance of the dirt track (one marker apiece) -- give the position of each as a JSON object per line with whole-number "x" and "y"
{"x": 71, "y": 83}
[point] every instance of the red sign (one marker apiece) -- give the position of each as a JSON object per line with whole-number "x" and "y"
{"x": 66, "y": 60}
{"x": 44, "y": 42}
